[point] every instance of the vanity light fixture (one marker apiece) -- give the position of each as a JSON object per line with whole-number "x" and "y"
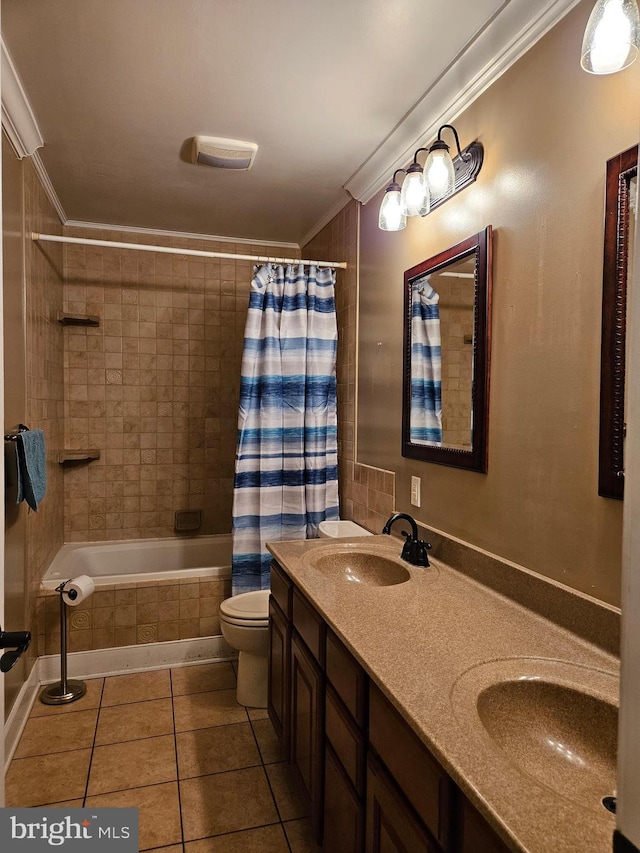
{"x": 392, "y": 216}
{"x": 415, "y": 196}
{"x": 612, "y": 37}
{"x": 423, "y": 189}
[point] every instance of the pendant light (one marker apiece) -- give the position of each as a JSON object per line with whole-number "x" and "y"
{"x": 612, "y": 37}
{"x": 392, "y": 216}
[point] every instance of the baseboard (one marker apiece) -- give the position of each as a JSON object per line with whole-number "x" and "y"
{"x": 125, "y": 659}
{"x": 621, "y": 844}
{"x": 19, "y": 714}
{"x": 104, "y": 662}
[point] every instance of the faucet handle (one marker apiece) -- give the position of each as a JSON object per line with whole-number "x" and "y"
{"x": 420, "y": 553}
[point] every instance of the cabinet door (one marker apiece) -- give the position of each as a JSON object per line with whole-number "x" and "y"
{"x": 307, "y": 728}
{"x": 392, "y": 826}
{"x": 279, "y": 694}
{"x": 343, "y": 809}
{"x": 474, "y": 833}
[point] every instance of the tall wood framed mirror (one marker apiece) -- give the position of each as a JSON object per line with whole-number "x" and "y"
{"x": 447, "y": 346}
{"x": 619, "y": 233}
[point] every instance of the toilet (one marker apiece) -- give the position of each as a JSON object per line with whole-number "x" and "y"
{"x": 340, "y": 529}
{"x": 244, "y": 622}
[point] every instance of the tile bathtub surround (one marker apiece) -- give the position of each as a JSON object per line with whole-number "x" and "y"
{"x": 206, "y": 774}
{"x": 155, "y": 386}
{"x": 132, "y": 614}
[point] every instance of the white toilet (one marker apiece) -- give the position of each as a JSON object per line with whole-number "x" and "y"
{"x": 244, "y": 622}
{"x": 340, "y": 529}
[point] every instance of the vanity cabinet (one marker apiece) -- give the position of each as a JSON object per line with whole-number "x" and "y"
{"x": 370, "y": 782}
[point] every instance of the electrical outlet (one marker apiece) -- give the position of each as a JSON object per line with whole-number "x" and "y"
{"x": 415, "y": 491}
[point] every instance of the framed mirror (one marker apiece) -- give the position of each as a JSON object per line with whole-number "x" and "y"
{"x": 619, "y": 233}
{"x": 447, "y": 346}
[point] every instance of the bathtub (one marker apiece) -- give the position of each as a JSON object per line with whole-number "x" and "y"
{"x": 142, "y": 561}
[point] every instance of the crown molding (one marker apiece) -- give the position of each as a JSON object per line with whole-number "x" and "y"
{"x": 517, "y": 26}
{"x": 156, "y": 232}
{"x": 18, "y": 119}
{"x": 45, "y": 180}
{"x": 324, "y": 220}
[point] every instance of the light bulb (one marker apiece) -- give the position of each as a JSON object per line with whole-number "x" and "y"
{"x": 439, "y": 173}
{"x": 414, "y": 193}
{"x": 392, "y": 216}
{"x": 611, "y": 37}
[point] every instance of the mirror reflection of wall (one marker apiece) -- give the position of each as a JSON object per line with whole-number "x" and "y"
{"x": 456, "y": 288}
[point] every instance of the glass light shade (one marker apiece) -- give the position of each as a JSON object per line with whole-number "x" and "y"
{"x": 439, "y": 174}
{"x": 392, "y": 216}
{"x": 415, "y": 194}
{"x": 612, "y": 37}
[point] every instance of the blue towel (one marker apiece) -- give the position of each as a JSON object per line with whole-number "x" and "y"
{"x": 32, "y": 468}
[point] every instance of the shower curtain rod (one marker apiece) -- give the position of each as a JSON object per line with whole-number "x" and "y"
{"x": 144, "y": 247}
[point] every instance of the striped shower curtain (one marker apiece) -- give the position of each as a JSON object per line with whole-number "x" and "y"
{"x": 286, "y": 479}
{"x": 426, "y": 366}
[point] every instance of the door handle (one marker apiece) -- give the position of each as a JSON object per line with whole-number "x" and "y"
{"x": 16, "y": 640}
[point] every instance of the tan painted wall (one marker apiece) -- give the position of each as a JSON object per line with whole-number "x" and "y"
{"x": 548, "y": 129}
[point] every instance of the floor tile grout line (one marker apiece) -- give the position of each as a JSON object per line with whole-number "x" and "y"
{"x": 175, "y": 747}
{"x": 93, "y": 745}
{"x": 273, "y": 796}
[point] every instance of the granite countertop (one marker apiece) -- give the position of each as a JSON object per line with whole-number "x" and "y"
{"x": 430, "y": 644}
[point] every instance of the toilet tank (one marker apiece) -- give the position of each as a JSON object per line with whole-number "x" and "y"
{"x": 340, "y": 529}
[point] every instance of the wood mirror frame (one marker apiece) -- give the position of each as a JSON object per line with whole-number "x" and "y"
{"x": 474, "y": 459}
{"x": 621, "y": 170}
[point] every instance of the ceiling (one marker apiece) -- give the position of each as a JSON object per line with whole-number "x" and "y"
{"x": 326, "y": 88}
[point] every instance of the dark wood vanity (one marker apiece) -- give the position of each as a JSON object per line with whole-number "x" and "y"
{"x": 369, "y": 781}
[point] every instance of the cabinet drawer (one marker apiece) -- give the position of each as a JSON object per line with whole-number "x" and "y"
{"x": 309, "y": 625}
{"x": 345, "y": 738}
{"x": 281, "y": 589}
{"x": 424, "y": 783}
{"x": 347, "y": 677}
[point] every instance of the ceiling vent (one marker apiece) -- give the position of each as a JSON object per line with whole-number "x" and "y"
{"x": 223, "y": 153}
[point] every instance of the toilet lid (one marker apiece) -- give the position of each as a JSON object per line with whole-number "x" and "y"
{"x": 247, "y": 606}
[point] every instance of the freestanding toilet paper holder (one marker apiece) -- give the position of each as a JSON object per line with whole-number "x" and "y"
{"x": 66, "y": 690}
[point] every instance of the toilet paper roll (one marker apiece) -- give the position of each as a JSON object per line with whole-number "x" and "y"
{"x": 77, "y": 589}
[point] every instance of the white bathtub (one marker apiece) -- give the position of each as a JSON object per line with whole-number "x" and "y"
{"x": 142, "y": 560}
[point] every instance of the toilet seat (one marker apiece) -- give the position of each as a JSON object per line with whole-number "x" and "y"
{"x": 249, "y": 609}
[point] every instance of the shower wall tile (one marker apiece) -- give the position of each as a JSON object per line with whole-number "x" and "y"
{"x": 45, "y": 394}
{"x": 367, "y": 495}
{"x": 155, "y": 386}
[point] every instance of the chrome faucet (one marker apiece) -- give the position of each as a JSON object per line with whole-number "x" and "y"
{"x": 414, "y": 550}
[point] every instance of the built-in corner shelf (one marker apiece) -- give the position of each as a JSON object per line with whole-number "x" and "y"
{"x": 65, "y": 456}
{"x": 77, "y": 320}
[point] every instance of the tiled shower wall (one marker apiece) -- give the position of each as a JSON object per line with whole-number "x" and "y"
{"x": 367, "y": 495}
{"x": 155, "y": 386}
{"x": 44, "y": 361}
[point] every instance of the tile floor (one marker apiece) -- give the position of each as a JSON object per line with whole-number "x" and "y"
{"x": 206, "y": 773}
